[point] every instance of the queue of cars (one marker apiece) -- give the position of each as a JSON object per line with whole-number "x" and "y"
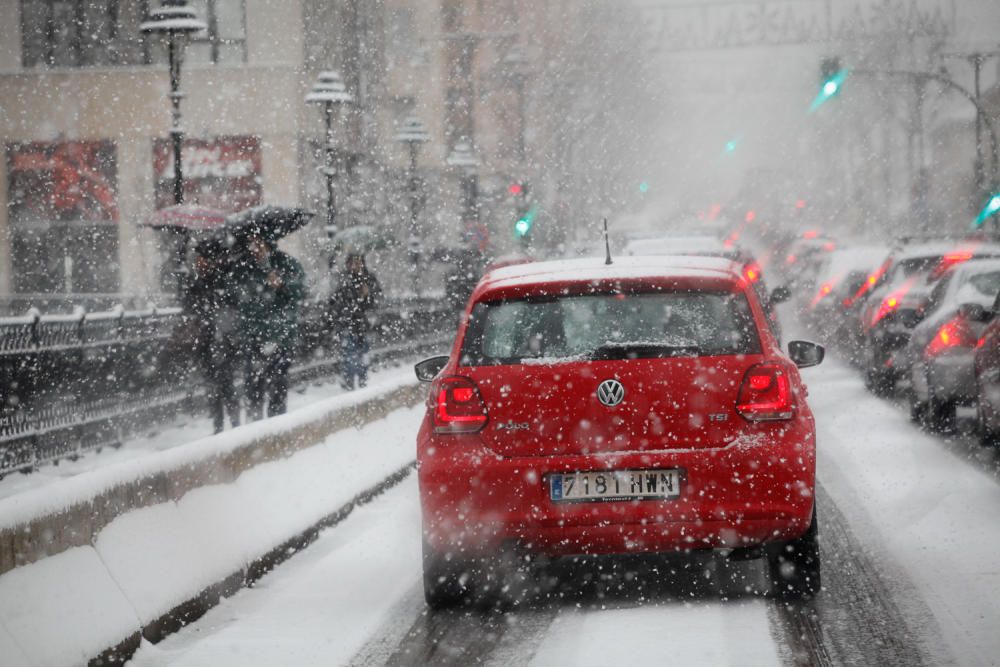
{"x": 914, "y": 318}
{"x": 639, "y": 406}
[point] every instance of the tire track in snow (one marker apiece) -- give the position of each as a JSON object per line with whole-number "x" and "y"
{"x": 855, "y": 620}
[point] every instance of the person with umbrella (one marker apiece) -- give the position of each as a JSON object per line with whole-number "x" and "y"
{"x": 272, "y": 288}
{"x": 212, "y": 303}
{"x": 359, "y": 293}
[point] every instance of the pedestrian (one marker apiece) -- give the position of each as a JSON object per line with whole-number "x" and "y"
{"x": 358, "y": 294}
{"x": 272, "y": 290}
{"x": 211, "y": 302}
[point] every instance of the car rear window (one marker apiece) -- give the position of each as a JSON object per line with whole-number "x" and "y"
{"x": 610, "y": 326}
{"x": 987, "y": 284}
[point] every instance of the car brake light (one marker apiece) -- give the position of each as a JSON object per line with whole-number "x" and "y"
{"x": 952, "y": 334}
{"x": 458, "y": 407}
{"x": 823, "y": 292}
{"x": 766, "y": 394}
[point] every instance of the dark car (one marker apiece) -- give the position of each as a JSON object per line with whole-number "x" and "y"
{"x": 897, "y": 300}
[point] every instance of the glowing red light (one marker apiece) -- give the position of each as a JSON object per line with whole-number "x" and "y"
{"x": 515, "y": 189}
{"x": 800, "y": 203}
{"x": 463, "y": 394}
{"x": 760, "y": 382}
{"x": 811, "y": 234}
{"x": 750, "y": 216}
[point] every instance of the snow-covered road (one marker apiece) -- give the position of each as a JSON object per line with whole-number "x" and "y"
{"x": 909, "y": 539}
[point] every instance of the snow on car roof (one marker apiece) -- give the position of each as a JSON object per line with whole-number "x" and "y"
{"x": 932, "y": 248}
{"x": 591, "y": 268}
{"x": 855, "y": 258}
{"x": 975, "y": 266}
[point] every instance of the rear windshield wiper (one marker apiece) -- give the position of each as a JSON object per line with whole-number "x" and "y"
{"x": 610, "y": 351}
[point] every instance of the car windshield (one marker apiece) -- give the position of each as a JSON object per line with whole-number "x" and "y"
{"x": 610, "y": 326}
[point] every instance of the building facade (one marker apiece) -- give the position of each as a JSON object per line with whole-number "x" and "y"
{"x": 84, "y": 123}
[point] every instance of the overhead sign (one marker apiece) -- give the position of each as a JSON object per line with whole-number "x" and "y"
{"x": 221, "y": 172}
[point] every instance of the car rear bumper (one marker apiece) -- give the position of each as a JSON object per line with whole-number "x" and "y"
{"x": 742, "y": 495}
{"x": 952, "y": 377}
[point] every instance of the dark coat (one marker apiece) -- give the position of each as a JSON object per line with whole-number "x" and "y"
{"x": 211, "y": 303}
{"x": 349, "y": 305}
{"x": 268, "y": 315}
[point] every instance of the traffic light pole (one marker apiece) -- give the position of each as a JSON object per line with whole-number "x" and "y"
{"x": 920, "y": 79}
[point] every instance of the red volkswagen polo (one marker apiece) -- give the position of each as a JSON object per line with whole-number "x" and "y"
{"x": 642, "y": 406}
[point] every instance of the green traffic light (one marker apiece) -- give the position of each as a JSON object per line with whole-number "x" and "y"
{"x": 644, "y": 187}
{"x": 830, "y": 88}
{"x": 524, "y": 223}
{"x": 992, "y": 206}
{"x": 731, "y": 145}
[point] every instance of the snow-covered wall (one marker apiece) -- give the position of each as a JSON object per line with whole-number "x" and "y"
{"x": 165, "y": 542}
{"x": 49, "y": 520}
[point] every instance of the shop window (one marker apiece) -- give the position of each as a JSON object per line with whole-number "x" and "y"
{"x": 63, "y": 205}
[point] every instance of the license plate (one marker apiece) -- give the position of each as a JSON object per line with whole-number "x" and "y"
{"x": 607, "y": 485}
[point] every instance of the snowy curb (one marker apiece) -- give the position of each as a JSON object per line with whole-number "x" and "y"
{"x": 163, "y": 561}
{"x": 39, "y": 524}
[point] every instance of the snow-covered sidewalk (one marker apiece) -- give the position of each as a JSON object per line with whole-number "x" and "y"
{"x": 150, "y": 560}
{"x": 181, "y": 430}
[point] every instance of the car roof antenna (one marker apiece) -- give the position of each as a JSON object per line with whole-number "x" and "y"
{"x": 607, "y": 244}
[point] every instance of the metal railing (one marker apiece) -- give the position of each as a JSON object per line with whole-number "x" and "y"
{"x": 80, "y": 382}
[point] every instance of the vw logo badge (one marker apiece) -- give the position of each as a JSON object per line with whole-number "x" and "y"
{"x": 610, "y": 393}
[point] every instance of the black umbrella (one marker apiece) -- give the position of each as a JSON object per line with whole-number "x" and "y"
{"x": 269, "y": 222}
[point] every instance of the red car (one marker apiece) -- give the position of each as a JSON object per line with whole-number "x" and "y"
{"x": 643, "y": 406}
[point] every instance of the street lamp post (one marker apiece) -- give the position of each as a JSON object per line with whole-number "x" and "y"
{"x": 175, "y": 21}
{"x": 463, "y": 157}
{"x": 515, "y": 63}
{"x": 329, "y": 93}
{"x": 413, "y": 134}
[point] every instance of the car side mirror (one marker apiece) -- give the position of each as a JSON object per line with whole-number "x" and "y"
{"x": 974, "y": 312}
{"x": 805, "y": 354}
{"x": 428, "y": 369}
{"x": 780, "y": 295}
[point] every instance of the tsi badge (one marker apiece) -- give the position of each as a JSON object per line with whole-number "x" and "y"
{"x": 513, "y": 426}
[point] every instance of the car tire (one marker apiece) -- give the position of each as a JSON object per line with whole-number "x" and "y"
{"x": 987, "y": 436}
{"x": 445, "y": 579}
{"x": 794, "y": 566}
{"x": 939, "y": 415}
{"x": 878, "y": 382}
{"x": 918, "y": 409}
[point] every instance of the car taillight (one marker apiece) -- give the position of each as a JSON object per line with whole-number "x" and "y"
{"x": 952, "y": 334}
{"x": 458, "y": 407}
{"x": 752, "y": 272}
{"x": 888, "y": 305}
{"x": 766, "y": 394}
{"x": 824, "y": 291}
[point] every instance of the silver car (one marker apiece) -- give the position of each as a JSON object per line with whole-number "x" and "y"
{"x": 941, "y": 349}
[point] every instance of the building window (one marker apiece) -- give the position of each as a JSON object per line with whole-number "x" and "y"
{"x": 102, "y": 33}
{"x": 225, "y": 40}
{"x": 63, "y": 205}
